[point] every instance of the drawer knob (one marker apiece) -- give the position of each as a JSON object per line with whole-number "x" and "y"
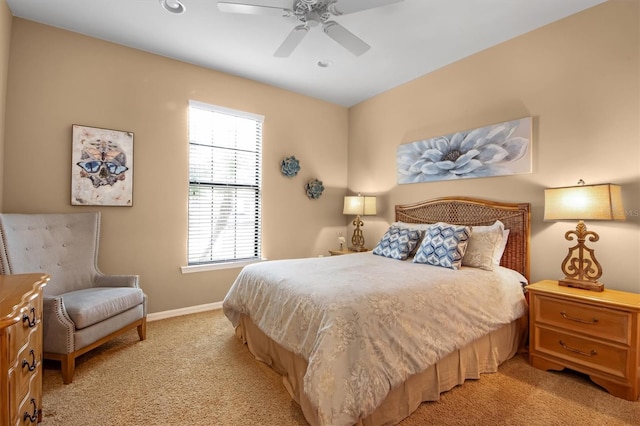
{"x": 32, "y": 417}
{"x": 591, "y": 321}
{"x": 30, "y": 321}
{"x": 578, "y": 351}
{"x": 31, "y": 366}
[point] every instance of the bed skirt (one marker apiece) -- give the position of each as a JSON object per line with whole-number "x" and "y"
{"x": 484, "y": 355}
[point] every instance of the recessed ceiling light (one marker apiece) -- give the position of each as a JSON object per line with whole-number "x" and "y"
{"x": 173, "y": 6}
{"x": 324, "y": 63}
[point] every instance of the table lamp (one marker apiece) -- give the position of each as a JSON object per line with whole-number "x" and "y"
{"x": 358, "y": 205}
{"x": 583, "y": 202}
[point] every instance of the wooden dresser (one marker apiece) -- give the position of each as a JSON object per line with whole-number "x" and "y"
{"x": 595, "y": 333}
{"x": 21, "y": 339}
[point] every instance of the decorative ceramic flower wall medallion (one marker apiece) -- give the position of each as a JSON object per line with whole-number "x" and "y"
{"x": 290, "y": 166}
{"x": 314, "y": 189}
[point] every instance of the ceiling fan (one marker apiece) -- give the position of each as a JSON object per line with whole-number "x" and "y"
{"x": 312, "y": 13}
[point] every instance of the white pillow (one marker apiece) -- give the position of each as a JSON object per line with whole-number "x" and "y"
{"x": 497, "y": 256}
{"x": 484, "y": 246}
{"x": 418, "y": 226}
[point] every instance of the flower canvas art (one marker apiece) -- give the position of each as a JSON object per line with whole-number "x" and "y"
{"x": 496, "y": 150}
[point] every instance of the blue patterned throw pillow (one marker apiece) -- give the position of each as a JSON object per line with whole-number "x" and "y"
{"x": 398, "y": 242}
{"x": 443, "y": 245}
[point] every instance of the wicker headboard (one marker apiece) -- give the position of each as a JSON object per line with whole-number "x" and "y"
{"x": 472, "y": 211}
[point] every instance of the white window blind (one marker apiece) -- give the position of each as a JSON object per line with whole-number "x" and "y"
{"x": 225, "y": 184}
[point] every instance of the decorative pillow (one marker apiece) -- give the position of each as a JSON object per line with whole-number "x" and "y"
{"x": 443, "y": 245}
{"x": 398, "y": 242}
{"x": 484, "y": 244}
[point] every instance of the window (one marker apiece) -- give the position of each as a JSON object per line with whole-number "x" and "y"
{"x": 225, "y": 185}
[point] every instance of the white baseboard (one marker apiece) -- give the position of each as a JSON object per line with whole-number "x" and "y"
{"x": 183, "y": 311}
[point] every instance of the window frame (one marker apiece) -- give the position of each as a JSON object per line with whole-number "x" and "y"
{"x": 233, "y": 262}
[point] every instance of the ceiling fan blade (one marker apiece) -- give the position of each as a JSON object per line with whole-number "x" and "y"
{"x": 345, "y": 38}
{"x": 254, "y": 9}
{"x": 343, "y": 7}
{"x": 291, "y": 42}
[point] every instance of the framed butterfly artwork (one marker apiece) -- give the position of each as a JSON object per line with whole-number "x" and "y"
{"x": 101, "y": 167}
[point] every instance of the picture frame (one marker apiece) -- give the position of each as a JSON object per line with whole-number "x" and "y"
{"x": 101, "y": 167}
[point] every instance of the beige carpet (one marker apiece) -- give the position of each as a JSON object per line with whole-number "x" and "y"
{"x": 192, "y": 370}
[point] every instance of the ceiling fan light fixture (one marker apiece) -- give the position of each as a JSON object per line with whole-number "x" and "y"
{"x": 173, "y": 6}
{"x": 313, "y": 19}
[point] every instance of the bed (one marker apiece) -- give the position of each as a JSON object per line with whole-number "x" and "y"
{"x": 365, "y": 338}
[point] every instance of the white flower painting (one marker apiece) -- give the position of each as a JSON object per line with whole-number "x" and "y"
{"x": 496, "y": 150}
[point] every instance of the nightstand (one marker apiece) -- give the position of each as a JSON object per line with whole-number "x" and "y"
{"x": 344, "y": 251}
{"x": 595, "y": 333}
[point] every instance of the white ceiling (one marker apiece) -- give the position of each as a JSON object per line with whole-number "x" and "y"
{"x": 408, "y": 39}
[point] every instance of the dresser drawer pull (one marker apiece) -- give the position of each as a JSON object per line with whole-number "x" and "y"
{"x": 578, "y": 351}
{"x": 31, "y": 366}
{"x": 565, "y": 316}
{"x": 32, "y": 417}
{"x": 30, "y": 322}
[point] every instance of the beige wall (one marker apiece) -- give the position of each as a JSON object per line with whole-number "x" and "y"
{"x": 58, "y": 78}
{"x": 579, "y": 80}
{"x": 5, "y": 42}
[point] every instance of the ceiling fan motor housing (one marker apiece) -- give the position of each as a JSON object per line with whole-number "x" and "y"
{"x": 311, "y": 12}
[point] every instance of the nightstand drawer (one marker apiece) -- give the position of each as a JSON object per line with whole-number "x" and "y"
{"x": 592, "y": 354}
{"x": 591, "y": 320}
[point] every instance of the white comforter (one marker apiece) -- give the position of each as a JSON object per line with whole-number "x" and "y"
{"x": 365, "y": 323}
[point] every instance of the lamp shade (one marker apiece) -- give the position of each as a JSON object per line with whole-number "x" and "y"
{"x": 359, "y": 205}
{"x": 584, "y": 202}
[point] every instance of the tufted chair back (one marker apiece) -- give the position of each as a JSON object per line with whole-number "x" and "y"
{"x": 82, "y": 307}
{"x": 65, "y": 246}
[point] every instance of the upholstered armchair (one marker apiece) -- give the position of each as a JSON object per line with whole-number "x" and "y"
{"x": 83, "y": 308}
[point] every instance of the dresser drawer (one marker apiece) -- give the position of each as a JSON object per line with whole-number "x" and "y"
{"x": 592, "y": 354}
{"x": 21, "y": 355}
{"x": 594, "y": 321}
{"x": 20, "y": 333}
{"x": 28, "y": 364}
{"x": 29, "y": 404}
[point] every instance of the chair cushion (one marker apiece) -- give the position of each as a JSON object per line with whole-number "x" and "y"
{"x": 92, "y": 305}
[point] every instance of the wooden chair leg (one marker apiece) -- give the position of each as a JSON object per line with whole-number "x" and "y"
{"x": 142, "y": 329}
{"x": 68, "y": 366}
